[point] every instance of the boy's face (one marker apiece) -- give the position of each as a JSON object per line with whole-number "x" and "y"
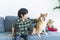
{"x": 24, "y": 16}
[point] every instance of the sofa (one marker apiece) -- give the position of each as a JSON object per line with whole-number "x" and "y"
{"x": 6, "y": 26}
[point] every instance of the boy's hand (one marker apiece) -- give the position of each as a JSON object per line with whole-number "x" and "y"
{"x": 12, "y": 35}
{"x": 36, "y": 19}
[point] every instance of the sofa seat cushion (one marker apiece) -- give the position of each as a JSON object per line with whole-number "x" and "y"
{"x": 51, "y": 36}
{"x": 5, "y": 36}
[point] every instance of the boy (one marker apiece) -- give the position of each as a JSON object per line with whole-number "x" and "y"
{"x": 21, "y": 25}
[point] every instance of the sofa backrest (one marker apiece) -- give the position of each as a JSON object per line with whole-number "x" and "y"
{"x": 9, "y": 20}
{"x": 2, "y": 29}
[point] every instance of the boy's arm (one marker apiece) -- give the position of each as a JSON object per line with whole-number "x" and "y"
{"x": 13, "y": 27}
{"x": 12, "y": 30}
{"x": 34, "y": 20}
{"x": 12, "y": 34}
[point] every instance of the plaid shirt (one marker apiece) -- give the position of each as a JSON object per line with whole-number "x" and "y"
{"x": 22, "y": 26}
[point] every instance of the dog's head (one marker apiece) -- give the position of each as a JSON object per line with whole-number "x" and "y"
{"x": 43, "y": 15}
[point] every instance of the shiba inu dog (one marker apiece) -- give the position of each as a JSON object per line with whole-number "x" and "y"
{"x": 41, "y": 24}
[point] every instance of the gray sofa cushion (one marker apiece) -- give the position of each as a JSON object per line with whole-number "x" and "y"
{"x": 9, "y": 20}
{"x": 5, "y": 36}
{"x": 2, "y": 29}
{"x": 50, "y": 36}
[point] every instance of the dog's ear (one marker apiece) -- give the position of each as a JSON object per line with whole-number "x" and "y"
{"x": 41, "y": 14}
{"x": 46, "y": 14}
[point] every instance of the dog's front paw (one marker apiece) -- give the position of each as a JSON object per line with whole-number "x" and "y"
{"x": 39, "y": 35}
{"x": 45, "y": 33}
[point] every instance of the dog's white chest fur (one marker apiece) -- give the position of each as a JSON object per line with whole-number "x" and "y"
{"x": 43, "y": 26}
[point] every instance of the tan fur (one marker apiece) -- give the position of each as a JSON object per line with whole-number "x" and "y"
{"x": 39, "y": 23}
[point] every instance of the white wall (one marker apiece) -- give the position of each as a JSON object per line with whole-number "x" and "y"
{"x": 35, "y": 7}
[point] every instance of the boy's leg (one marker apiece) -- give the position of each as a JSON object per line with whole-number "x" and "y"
{"x": 24, "y": 36}
{"x": 17, "y": 37}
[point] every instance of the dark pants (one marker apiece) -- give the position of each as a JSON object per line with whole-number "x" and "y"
{"x": 20, "y": 37}
{"x": 24, "y": 36}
